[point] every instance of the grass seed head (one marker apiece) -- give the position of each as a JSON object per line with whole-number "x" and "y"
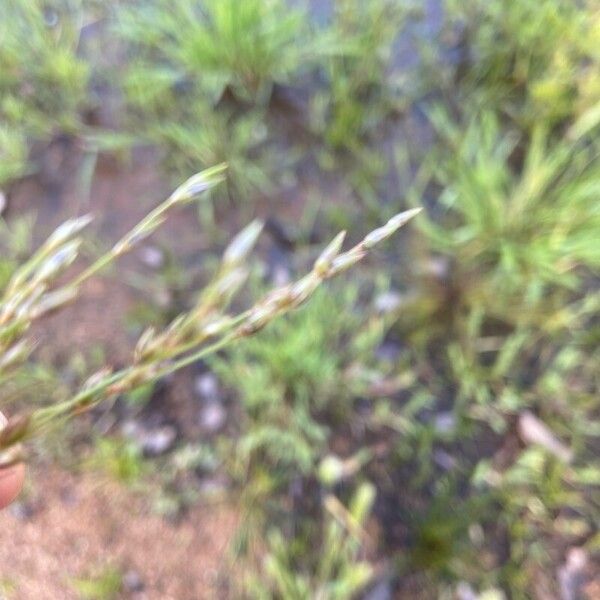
{"x": 16, "y": 354}
{"x": 58, "y": 261}
{"x": 323, "y": 263}
{"x": 52, "y": 301}
{"x": 242, "y": 244}
{"x": 67, "y": 231}
{"x": 186, "y": 339}
{"x": 201, "y": 182}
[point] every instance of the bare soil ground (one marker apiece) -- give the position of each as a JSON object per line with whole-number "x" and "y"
{"x": 81, "y": 524}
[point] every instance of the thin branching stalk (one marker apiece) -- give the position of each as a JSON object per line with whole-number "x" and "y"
{"x": 204, "y": 330}
{"x": 29, "y": 294}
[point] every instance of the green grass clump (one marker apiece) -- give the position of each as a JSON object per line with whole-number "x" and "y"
{"x": 359, "y": 95}
{"x": 297, "y": 384}
{"x": 509, "y": 497}
{"x": 15, "y": 242}
{"x": 200, "y": 84}
{"x": 505, "y": 303}
{"x": 533, "y": 60}
{"x": 206, "y": 136}
{"x": 117, "y": 459}
{"x": 338, "y": 571}
{"x": 542, "y": 499}
{"x": 197, "y": 54}
{"x": 507, "y": 279}
{"x": 209, "y": 46}
{"x": 516, "y": 221}
{"x": 43, "y": 81}
{"x": 13, "y": 154}
{"x": 518, "y": 218}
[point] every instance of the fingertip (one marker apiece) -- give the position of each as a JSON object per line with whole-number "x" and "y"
{"x": 11, "y": 484}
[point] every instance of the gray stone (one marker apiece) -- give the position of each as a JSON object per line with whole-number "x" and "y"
{"x": 382, "y": 590}
{"x": 571, "y": 575}
{"x": 207, "y": 387}
{"x": 155, "y": 442}
{"x": 213, "y": 416}
{"x": 152, "y": 441}
{"x": 152, "y": 257}
{"x": 388, "y": 301}
{"x": 465, "y": 592}
{"x": 444, "y": 422}
{"x": 444, "y": 460}
{"x": 132, "y": 581}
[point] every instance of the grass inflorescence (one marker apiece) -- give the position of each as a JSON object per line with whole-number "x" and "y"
{"x": 206, "y": 329}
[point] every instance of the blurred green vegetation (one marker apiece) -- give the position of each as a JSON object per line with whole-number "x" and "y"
{"x": 299, "y": 375}
{"x": 44, "y": 83}
{"x": 196, "y": 53}
{"x": 467, "y": 455}
{"x": 337, "y": 571}
{"x": 105, "y": 584}
{"x": 536, "y": 62}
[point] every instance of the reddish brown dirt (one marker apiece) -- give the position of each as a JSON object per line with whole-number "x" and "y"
{"x": 81, "y": 524}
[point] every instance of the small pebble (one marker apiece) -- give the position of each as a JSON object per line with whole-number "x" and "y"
{"x": 206, "y": 387}
{"x": 571, "y": 575}
{"x": 154, "y": 441}
{"x": 382, "y": 590}
{"x": 152, "y": 257}
{"x": 158, "y": 441}
{"x": 444, "y": 460}
{"x": 388, "y": 302}
{"x": 465, "y": 592}
{"x": 444, "y": 422}
{"x": 388, "y": 351}
{"x": 23, "y": 511}
{"x": 132, "y": 581}
{"x": 213, "y": 417}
